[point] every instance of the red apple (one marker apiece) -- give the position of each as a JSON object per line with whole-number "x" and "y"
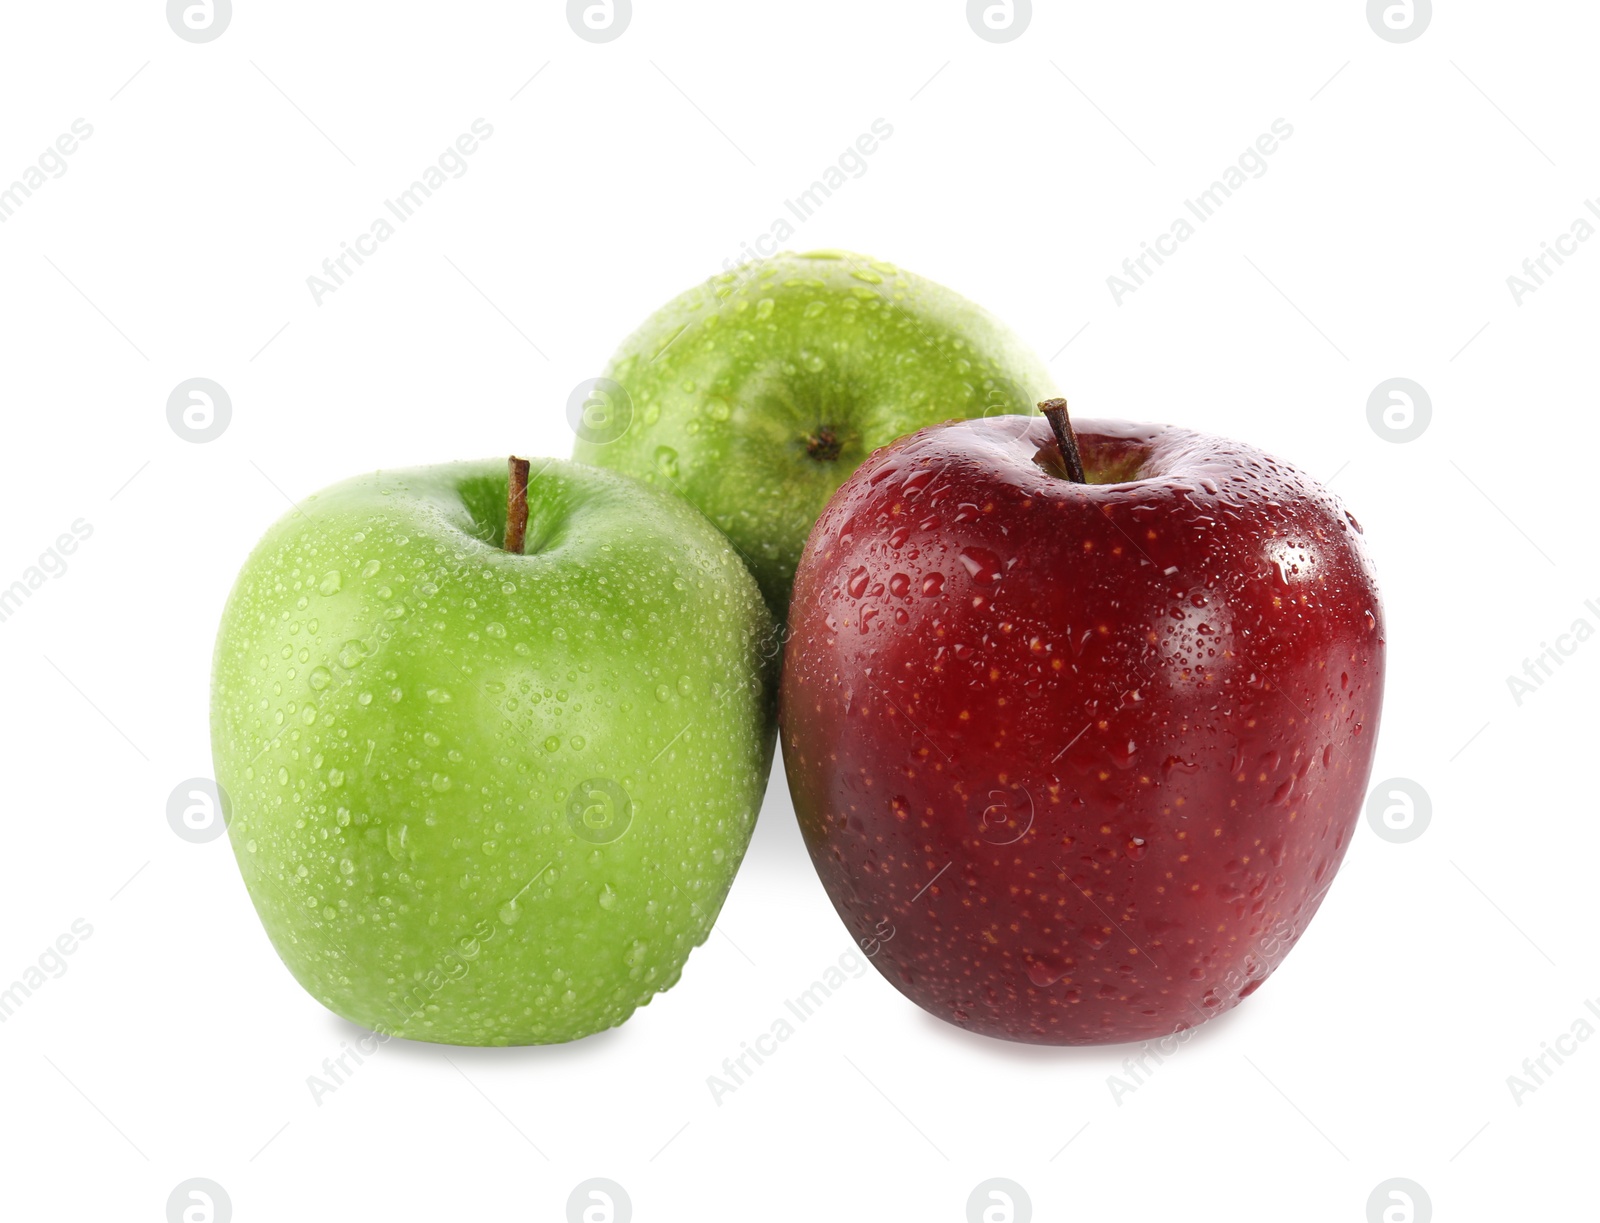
{"x": 1077, "y": 762}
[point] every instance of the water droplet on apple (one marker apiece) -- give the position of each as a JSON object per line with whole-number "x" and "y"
{"x": 440, "y": 783}
{"x": 552, "y": 744}
{"x": 667, "y": 462}
{"x": 900, "y": 585}
{"x": 351, "y": 654}
{"x": 320, "y": 678}
{"x": 346, "y": 867}
{"x": 982, "y": 565}
{"x": 438, "y": 696}
{"x": 663, "y": 693}
{"x": 494, "y": 629}
{"x": 395, "y": 839}
{"x": 509, "y": 913}
{"x": 608, "y": 897}
{"x": 331, "y": 581}
{"x": 857, "y": 585}
{"x": 1045, "y": 973}
{"x": 933, "y": 585}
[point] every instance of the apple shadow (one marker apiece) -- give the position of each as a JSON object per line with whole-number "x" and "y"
{"x": 777, "y": 849}
{"x": 599, "y": 1045}
{"x": 1021, "y": 1053}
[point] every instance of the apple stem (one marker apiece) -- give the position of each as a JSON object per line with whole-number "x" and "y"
{"x": 517, "y": 505}
{"x": 1055, "y": 411}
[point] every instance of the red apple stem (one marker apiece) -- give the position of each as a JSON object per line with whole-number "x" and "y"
{"x": 1055, "y": 411}
{"x": 517, "y": 505}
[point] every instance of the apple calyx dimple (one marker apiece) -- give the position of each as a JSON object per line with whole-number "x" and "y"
{"x": 824, "y": 445}
{"x": 516, "y": 505}
{"x": 1055, "y": 411}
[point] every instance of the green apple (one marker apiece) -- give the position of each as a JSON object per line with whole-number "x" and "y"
{"x": 484, "y": 793}
{"x": 757, "y": 393}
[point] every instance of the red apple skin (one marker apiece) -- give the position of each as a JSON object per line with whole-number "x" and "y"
{"x": 1077, "y": 763}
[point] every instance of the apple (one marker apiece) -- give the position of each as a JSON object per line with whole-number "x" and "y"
{"x": 494, "y": 748}
{"x": 755, "y": 394}
{"x": 1077, "y": 761}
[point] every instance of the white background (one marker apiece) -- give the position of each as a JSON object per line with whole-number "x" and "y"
{"x": 218, "y": 178}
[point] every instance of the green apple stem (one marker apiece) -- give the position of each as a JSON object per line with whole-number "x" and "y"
{"x": 517, "y": 505}
{"x": 1055, "y": 411}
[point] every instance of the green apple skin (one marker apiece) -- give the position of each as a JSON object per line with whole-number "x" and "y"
{"x": 431, "y": 745}
{"x": 757, "y": 393}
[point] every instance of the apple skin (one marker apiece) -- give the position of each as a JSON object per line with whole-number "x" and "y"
{"x": 756, "y": 393}
{"x": 1078, "y": 762}
{"x": 406, "y": 716}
